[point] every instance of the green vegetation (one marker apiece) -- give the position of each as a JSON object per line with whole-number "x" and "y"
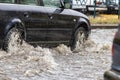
{"x": 105, "y": 19}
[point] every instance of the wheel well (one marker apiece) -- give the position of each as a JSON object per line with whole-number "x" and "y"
{"x": 14, "y": 22}
{"x": 84, "y": 25}
{"x": 20, "y": 27}
{"x": 17, "y": 25}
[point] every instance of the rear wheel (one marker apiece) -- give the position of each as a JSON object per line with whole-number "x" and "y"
{"x": 13, "y": 39}
{"x": 80, "y": 37}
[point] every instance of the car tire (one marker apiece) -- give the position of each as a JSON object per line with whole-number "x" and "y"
{"x": 13, "y": 39}
{"x": 80, "y": 36}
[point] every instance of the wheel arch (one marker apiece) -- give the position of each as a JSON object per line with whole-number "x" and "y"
{"x": 84, "y": 23}
{"x": 81, "y": 23}
{"x": 12, "y": 23}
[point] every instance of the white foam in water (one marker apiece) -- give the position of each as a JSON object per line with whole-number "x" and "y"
{"x": 43, "y": 59}
{"x": 31, "y": 61}
{"x": 63, "y": 49}
{"x": 14, "y": 42}
{"x": 28, "y": 63}
{"x": 100, "y": 42}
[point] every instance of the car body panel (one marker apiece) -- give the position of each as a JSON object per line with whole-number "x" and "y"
{"x": 116, "y": 53}
{"x": 114, "y": 73}
{"x": 41, "y": 24}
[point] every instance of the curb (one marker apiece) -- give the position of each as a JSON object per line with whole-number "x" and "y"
{"x": 104, "y": 26}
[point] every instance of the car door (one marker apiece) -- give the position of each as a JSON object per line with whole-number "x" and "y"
{"x": 36, "y": 21}
{"x": 60, "y": 24}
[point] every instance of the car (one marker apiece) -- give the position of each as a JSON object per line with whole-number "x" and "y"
{"x": 41, "y": 22}
{"x": 114, "y": 72}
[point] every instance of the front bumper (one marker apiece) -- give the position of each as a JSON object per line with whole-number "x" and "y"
{"x": 112, "y": 75}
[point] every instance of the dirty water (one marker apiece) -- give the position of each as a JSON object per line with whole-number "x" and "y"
{"x": 59, "y": 63}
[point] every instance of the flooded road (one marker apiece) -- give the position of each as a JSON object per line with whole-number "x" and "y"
{"x": 59, "y": 63}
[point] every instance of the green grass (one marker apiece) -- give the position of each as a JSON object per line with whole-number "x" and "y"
{"x": 105, "y": 19}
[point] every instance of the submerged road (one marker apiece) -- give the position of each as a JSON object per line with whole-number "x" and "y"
{"x": 89, "y": 62}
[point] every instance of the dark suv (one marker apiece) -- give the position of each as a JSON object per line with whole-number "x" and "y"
{"x": 114, "y": 73}
{"x": 41, "y": 21}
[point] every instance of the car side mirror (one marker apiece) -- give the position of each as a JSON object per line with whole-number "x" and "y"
{"x": 66, "y": 4}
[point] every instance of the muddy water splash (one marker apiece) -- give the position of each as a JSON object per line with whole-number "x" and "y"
{"x": 27, "y": 60}
{"x": 14, "y": 40}
{"x": 29, "y": 63}
{"x": 101, "y": 40}
{"x": 62, "y": 49}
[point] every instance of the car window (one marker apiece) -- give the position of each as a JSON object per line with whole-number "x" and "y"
{"x": 7, "y": 1}
{"x": 29, "y": 2}
{"x": 51, "y": 3}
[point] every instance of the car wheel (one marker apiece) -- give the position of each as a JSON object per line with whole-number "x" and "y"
{"x": 13, "y": 39}
{"x": 80, "y": 37}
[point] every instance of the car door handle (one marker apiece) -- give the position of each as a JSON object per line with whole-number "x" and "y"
{"x": 26, "y": 14}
